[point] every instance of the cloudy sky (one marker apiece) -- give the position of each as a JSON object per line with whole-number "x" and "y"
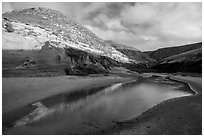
{"x": 145, "y": 26}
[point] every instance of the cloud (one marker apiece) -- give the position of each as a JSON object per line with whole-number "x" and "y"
{"x": 124, "y": 37}
{"x": 6, "y": 7}
{"x": 146, "y": 26}
{"x": 185, "y": 21}
{"x": 110, "y": 34}
{"x": 171, "y": 23}
{"x": 138, "y": 14}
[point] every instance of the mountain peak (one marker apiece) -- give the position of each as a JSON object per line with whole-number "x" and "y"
{"x": 40, "y": 13}
{"x": 51, "y": 25}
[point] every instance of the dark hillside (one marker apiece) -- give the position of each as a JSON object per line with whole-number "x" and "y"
{"x": 170, "y": 51}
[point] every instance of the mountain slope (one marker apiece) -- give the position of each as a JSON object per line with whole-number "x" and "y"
{"x": 53, "y": 41}
{"x": 190, "y": 61}
{"x": 181, "y": 57}
{"x": 42, "y": 25}
{"x": 133, "y": 53}
{"x": 170, "y": 51}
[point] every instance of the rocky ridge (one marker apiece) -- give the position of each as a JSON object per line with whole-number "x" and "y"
{"x": 42, "y": 25}
{"x": 52, "y": 40}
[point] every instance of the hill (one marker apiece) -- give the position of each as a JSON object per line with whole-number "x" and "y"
{"x": 170, "y": 51}
{"x": 189, "y": 61}
{"x": 44, "y": 36}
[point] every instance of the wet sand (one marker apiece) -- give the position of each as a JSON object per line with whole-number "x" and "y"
{"x": 177, "y": 116}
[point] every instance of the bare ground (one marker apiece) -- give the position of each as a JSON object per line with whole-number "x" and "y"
{"x": 177, "y": 116}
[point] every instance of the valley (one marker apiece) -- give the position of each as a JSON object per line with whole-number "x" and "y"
{"x": 58, "y": 77}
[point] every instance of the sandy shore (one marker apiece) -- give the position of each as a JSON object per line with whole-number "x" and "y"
{"x": 18, "y": 92}
{"x": 177, "y": 116}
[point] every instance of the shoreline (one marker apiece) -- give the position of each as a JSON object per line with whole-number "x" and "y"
{"x": 183, "y": 81}
{"x": 149, "y": 123}
{"x": 137, "y": 125}
{"x": 34, "y": 89}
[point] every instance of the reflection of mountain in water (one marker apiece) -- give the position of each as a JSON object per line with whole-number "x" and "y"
{"x": 117, "y": 102}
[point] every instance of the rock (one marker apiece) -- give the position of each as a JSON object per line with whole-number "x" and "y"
{"x": 9, "y": 27}
{"x": 28, "y": 63}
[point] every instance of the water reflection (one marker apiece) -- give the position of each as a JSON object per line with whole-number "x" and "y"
{"x": 116, "y": 103}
